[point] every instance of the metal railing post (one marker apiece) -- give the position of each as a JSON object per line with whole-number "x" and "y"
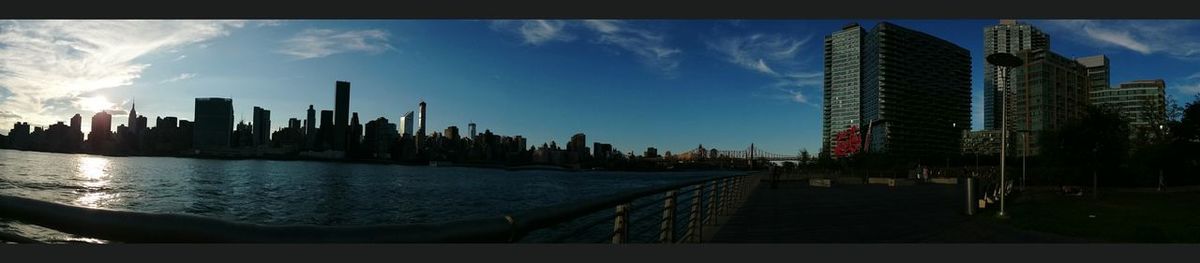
{"x": 694, "y": 218}
{"x": 712, "y": 205}
{"x": 621, "y": 225}
{"x": 667, "y": 231}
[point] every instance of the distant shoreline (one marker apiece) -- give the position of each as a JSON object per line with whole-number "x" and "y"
{"x": 498, "y": 166}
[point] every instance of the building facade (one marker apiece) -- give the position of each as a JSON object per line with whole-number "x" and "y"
{"x": 1141, "y": 102}
{"x": 1010, "y": 37}
{"x": 1097, "y": 71}
{"x": 341, "y": 110}
{"x": 262, "y": 126}
{"x": 842, "y": 83}
{"x": 1049, "y": 91}
{"x": 214, "y": 123}
{"x": 916, "y": 95}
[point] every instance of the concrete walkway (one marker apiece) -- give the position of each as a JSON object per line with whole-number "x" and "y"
{"x": 923, "y": 213}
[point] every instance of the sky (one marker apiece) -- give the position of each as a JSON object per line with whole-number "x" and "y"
{"x": 669, "y": 84}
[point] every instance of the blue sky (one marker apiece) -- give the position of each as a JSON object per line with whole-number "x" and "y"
{"x": 670, "y": 84}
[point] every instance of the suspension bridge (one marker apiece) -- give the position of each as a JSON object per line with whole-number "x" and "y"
{"x": 749, "y": 153}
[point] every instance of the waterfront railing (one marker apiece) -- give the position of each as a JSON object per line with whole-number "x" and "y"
{"x": 674, "y": 213}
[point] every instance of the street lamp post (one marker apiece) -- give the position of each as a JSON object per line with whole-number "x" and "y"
{"x": 1005, "y": 61}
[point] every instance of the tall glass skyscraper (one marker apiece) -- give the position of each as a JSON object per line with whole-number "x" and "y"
{"x": 341, "y": 111}
{"x": 1010, "y": 37}
{"x": 843, "y": 73}
{"x": 406, "y": 123}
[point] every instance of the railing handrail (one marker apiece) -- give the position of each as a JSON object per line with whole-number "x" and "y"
{"x": 130, "y": 226}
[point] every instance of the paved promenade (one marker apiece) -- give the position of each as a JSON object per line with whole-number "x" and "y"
{"x": 923, "y": 213}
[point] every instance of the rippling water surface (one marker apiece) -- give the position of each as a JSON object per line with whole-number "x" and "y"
{"x": 295, "y": 192}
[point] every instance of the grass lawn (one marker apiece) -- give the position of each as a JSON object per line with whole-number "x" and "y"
{"x": 1114, "y": 217}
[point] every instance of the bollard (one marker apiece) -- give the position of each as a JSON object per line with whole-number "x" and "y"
{"x": 969, "y": 189}
{"x": 621, "y": 225}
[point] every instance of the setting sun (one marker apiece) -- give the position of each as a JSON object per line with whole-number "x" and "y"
{"x": 95, "y": 104}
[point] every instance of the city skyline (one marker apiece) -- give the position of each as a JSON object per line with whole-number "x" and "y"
{"x": 620, "y": 82}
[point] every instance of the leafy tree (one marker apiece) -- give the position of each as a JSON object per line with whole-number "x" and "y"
{"x": 848, "y": 141}
{"x": 1098, "y": 142}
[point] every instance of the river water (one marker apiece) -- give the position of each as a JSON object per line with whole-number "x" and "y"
{"x": 297, "y": 192}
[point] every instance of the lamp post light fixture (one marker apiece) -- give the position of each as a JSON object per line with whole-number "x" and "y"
{"x": 1005, "y": 61}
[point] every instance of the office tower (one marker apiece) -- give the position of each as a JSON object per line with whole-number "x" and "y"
{"x": 406, "y": 123}
{"x": 379, "y": 135}
{"x": 842, "y": 83}
{"x": 1142, "y": 102}
{"x": 101, "y": 126}
{"x": 1097, "y": 71}
{"x": 520, "y": 141}
{"x": 421, "y": 119}
{"x": 354, "y": 137}
{"x": 451, "y": 132}
{"x": 916, "y": 93}
{"x": 141, "y": 125}
{"x": 76, "y": 123}
{"x": 214, "y": 123}
{"x": 578, "y": 144}
{"x": 262, "y": 126}
{"x": 326, "y": 139}
{"x": 341, "y": 110}
{"x": 310, "y": 127}
{"x": 133, "y": 118}
{"x": 651, "y": 152}
{"x": 76, "y": 131}
{"x": 294, "y": 123}
{"x": 1010, "y": 37}
{"x": 600, "y": 151}
{"x": 471, "y": 126}
{"x": 18, "y": 136}
{"x": 1049, "y": 91}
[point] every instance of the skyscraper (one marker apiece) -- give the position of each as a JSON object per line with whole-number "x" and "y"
{"x": 421, "y": 119}
{"x": 101, "y": 127}
{"x": 341, "y": 109}
{"x": 76, "y": 123}
{"x": 140, "y": 125}
{"x": 354, "y": 137}
{"x": 406, "y": 123}
{"x": 1097, "y": 71}
{"x": 133, "y": 118}
{"x": 471, "y": 127}
{"x": 916, "y": 93}
{"x": 325, "y": 141}
{"x": 843, "y": 74}
{"x": 262, "y": 126}
{"x": 214, "y": 123}
{"x": 310, "y": 127}
{"x": 578, "y": 144}
{"x": 1010, "y": 37}
{"x": 452, "y": 132}
{"x": 294, "y": 123}
{"x": 1049, "y": 91}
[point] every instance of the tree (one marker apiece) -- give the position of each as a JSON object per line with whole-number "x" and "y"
{"x": 848, "y": 141}
{"x": 1098, "y": 142}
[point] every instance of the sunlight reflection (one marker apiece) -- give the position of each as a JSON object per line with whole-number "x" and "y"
{"x": 94, "y": 173}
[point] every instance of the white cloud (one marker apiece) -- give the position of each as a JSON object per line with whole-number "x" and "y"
{"x": 1174, "y": 38}
{"x": 758, "y": 52}
{"x": 535, "y": 32}
{"x": 1193, "y": 88}
{"x": 49, "y": 64}
{"x": 182, "y": 76}
{"x": 649, "y": 46}
{"x": 316, "y": 43}
{"x": 775, "y": 56}
{"x": 181, "y": 57}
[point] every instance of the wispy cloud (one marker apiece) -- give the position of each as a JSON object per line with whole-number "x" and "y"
{"x": 1174, "y": 38}
{"x": 316, "y": 43}
{"x": 649, "y": 46}
{"x": 775, "y": 56}
{"x": 59, "y": 62}
{"x": 183, "y": 76}
{"x": 1193, "y": 88}
{"x": 6, "y": 115}
{"x": 180, "y": 57}
{"x": 535, "y": 32}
